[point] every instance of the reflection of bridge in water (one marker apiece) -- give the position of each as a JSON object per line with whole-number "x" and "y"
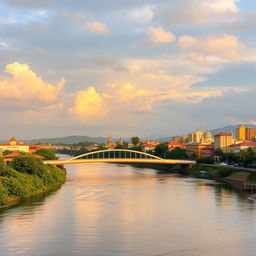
{"x": 119, "y": 156}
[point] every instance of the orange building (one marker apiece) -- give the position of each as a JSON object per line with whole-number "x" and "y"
{"x": 173, "y": 144}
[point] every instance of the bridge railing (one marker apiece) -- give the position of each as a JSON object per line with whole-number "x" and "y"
{"x": 115, "y": 154}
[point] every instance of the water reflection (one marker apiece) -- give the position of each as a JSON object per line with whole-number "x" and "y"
{"x": 107, "y": 209}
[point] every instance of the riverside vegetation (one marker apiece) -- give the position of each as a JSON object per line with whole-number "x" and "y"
{"x": 27, "y": 175}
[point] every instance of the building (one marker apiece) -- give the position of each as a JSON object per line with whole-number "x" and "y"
{"x": 149, "y": 147}
{"x": 180, "y": 139}
{"x": 196, "y": 137}
{"x": 120, "y": 142}
{"x": 199, "y": 150}
{"x": 173, "y": 144}
{"x": 110, "y": 143}
{"x": 208, "y": 139}
{"x": 199, "y": 137}
{"x": 14, "y": 145}
{"x": 223, "y": 140}
{"x": 240, "y": 132}
{"x": 236, "y": 148}
{"x": 250, "y": 133}
{"x": 207, "y": 151}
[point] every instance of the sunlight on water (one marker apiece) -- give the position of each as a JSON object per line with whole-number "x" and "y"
{"x": 107, "y": 209}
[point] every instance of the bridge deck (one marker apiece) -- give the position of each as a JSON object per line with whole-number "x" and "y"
{"x": 120, "y": 160}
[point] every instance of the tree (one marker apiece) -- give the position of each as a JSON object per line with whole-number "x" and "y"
{"x": 135, "y": 140}
{"x": 161, "y": 150}
{"x": 7, "y": 152}
{"x": 27, "y": 164}
{"x": 47, "y": 154}
{"x": 177, "y": 153}
{"x": 218, "y": 152}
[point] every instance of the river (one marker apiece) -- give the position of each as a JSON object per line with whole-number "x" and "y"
{"x": 110, "y": 209}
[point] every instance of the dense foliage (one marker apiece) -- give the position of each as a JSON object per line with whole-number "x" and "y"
{"x": 25, "y": 176}
{"x": 162, "y": 151}
{"x": 47, "y": 154}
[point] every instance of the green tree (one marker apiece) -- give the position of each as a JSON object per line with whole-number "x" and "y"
{"x": 27, "y": 164}
{"x": 135, "y": 141}
{"x": 177, "y": 153}
{"x": 161, "y": 150}
{"x": 47, "y": 154}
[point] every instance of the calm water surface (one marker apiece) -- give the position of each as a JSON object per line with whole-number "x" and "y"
{"x": 107, "y": 209}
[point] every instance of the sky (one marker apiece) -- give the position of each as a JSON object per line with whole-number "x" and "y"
{"x": 125, "y": 68}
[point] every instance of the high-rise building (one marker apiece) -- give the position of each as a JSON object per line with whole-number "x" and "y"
{"x": 196, "y": 137}
{"x": 240, "y": 132}
{"x": 249, "y": 133}
{"x": 223, "y": 140}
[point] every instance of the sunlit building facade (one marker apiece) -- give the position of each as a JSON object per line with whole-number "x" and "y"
{"x": 223, "y": 141}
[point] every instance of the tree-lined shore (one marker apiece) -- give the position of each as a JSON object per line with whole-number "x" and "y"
{"x": 26, "y": 176}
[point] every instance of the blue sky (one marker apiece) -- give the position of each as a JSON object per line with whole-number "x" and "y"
{"x": 125, "y": 68}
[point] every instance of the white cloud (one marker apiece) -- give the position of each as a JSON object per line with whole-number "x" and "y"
{"x": 222, "y": 6}
{"x": 224, "y": 45}
{"x": 25, "y": 86}
{"x": 157, "y": 35}
{"x": 197, "y": 58}
{"x": 141, "y": 15}
{"x": 5, "y": 21}
{"x": 97, "y": 28}
{"x": 4, "y": 45}
{"x": 198, "y": 12}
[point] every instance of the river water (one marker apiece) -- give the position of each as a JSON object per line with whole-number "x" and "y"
{"x": 109, "y": 209}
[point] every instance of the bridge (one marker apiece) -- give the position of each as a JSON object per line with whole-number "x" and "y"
{"x": 119, "y": 156}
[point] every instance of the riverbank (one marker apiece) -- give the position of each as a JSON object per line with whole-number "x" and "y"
{"x": 27, "y": 176}
{"x": 238, "y": 178}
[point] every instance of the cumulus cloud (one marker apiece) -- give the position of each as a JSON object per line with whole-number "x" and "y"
{"x": 97, "y": 28}
{"x": 199, "y": 12}
{"x": 157, "y": 35}
{"x": 226, "y": 46}
{"x": 247, "y": 22}
{"x": 90, "y": 106}
{"x": 88, "y": 103}
{"x": 197, "y": 58}
{"x": 25, "y": 86}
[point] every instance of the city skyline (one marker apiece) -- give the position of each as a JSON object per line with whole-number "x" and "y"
{"x": 145, "y": 68}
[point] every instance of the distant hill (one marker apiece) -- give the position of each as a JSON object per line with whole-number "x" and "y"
{"x": 230, "y": 128}
{"x": 68, "y": 140}
{"x": 77, "y": 139}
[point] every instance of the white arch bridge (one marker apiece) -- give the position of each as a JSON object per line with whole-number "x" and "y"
{"x": 119, "y": 156}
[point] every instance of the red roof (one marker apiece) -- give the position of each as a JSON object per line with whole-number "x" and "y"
{"x": 247, "y": 143}
{"x": 174, "y": 143}
{"x": 13, "y": 154}
{"x": 223, "y": 134}
{"x": 149, "y": 146}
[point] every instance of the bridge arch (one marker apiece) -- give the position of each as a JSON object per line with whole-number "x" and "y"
{"x": 126, "y": 153}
